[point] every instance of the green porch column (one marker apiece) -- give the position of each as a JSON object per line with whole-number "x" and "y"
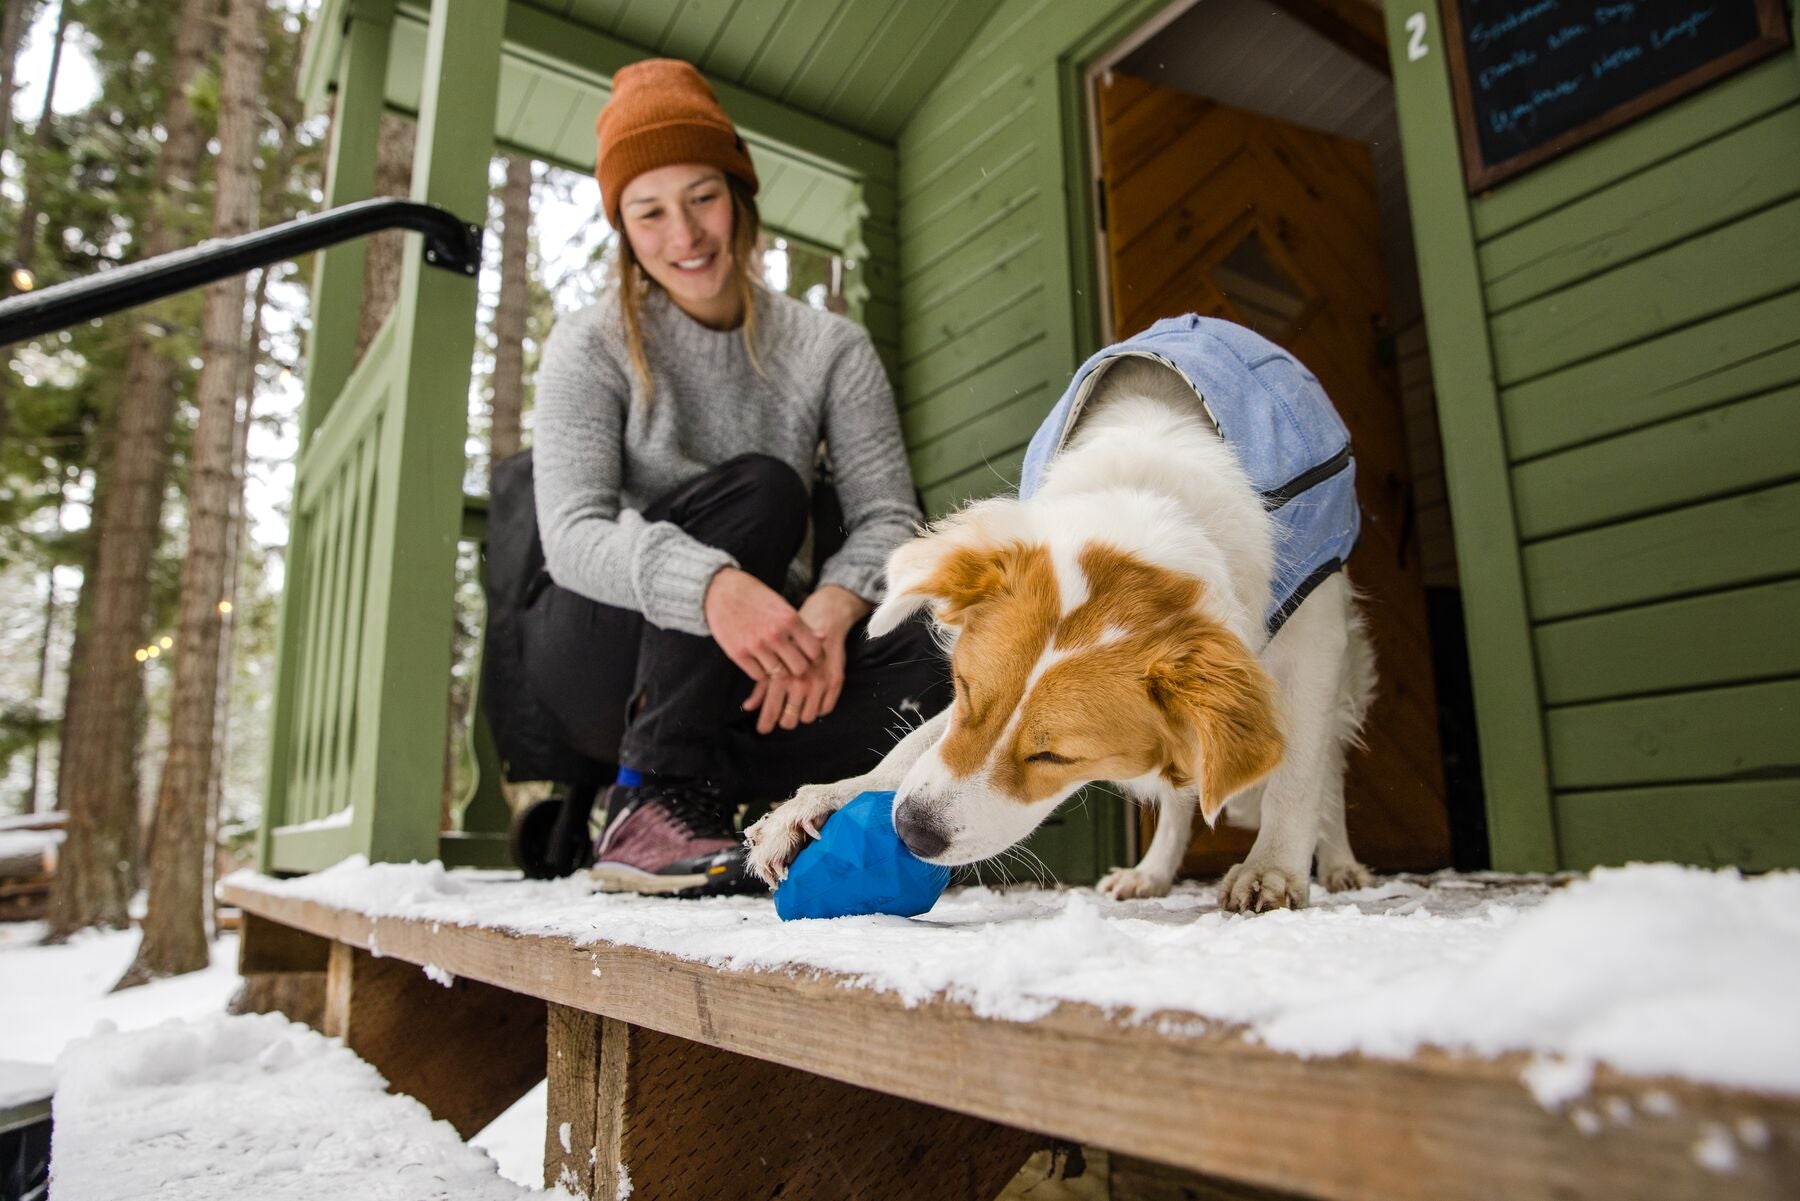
{"x": 405, "y": 668}
{"x": 330, "y": 346}
{"x": 350, "y": 176}
{"x": 1508, "y": 714}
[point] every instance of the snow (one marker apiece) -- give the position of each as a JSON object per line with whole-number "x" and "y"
{"x": 24, "y": 1083}
{"x": 515, "y": 1139}
{"x": 1651, "y": 969}
{"x": 51, "y": 996}
{"x": 343, "y": 819}
{"x": 54, "y": 995}
{"x": 28, "y": 842}
{"x": 255, "y": 1105}
{"x": 1556, "y": 1082}
{"x": 1715, "y": 1150}
{"x": 33, "y": 821}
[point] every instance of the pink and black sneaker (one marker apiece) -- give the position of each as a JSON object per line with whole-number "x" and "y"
{"x": 674, "y": 839}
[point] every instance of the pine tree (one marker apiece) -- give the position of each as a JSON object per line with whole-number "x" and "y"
{"x": 381, "y": 269}
{"x": 13, "y": 24}
{"x": 175, "y": 926}
{"x": 97, "y": 781}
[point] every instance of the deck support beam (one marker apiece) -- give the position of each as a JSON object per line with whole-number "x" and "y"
{"x": 703, "y": 1123}
{"x": 466, "y": 1050}
{"x": 283, "y": 970}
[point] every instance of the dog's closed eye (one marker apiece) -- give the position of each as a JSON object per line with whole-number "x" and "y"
{"x": 1050, "y": 757}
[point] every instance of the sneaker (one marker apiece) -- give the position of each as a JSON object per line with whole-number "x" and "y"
{"x": 671, "y": 840}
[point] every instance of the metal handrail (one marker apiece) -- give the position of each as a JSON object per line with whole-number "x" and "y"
{"x": 449, "y": 243}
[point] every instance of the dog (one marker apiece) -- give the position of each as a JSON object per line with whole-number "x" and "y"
{"x": 1163, "y": 606}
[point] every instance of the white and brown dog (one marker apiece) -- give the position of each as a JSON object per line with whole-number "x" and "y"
{"x": 1163, "y": 607}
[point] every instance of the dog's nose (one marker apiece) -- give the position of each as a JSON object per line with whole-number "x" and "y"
{"x": 920, "y": 836}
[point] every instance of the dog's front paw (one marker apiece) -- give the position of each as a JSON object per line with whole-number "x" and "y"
{"x": 783, "y": 832}
{"x": 1249, "y": 888}
{"x": 1124, "y": 883}
{"x": 1345, "y": 877}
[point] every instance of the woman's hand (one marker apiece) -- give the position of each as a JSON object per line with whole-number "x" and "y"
{"x": 792, "y": 701}
{"x": 758, "y": 630}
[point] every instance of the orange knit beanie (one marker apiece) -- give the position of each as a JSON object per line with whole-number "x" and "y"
{"x": 662, "y": 113}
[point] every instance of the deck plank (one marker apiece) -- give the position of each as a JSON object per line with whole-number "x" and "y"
{"x": 1437, "y": 1126}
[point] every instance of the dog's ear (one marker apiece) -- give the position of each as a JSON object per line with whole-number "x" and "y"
{"x": 951, "y": 566}
{"x": 1221, "y": 704}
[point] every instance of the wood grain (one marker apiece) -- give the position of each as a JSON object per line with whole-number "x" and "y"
{"x": 1437, "y": 1127}
{"x": 467, "y": 1052}
{"x": 678, "y": 1120}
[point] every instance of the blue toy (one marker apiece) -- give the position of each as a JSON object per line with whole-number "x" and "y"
{"x": 859, "y": 865}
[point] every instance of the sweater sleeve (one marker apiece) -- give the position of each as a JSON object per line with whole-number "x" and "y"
{"x": 591, "y": 545}
{"x": 869, "y": 465}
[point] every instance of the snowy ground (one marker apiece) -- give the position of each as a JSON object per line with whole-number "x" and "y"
{"x": 251, "y": 1106}
{"x": 50, "y": 996}
{"x": 1653, "y": 970}
{"x": 54, "y": 997}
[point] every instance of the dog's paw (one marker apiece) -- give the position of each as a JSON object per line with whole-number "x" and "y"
{"x": 1124, "y": 883}
{"x": 1345, "y": 877}
{"x": 1255, "y": 889}
{"x": 783, "y": 832}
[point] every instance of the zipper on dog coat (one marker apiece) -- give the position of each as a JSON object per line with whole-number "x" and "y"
{"x": 1272, "y": 413}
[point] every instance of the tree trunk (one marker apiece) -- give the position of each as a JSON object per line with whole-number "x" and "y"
{"x": 96, "y": 781}
{"x": 13, "y": 24}
{"x": 25, "y": 251}
{"x": 43, "y": 671}
{"x": 237, "y": 535}
{"x": 381, "y": 270}
{"x": 25, "y": 243}
{"x": 511, "y": 313}
{"x": 176, "y": 933}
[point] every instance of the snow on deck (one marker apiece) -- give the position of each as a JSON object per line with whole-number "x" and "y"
{"x": 253, "y": 1106}
{"x": 1651, "y": 969}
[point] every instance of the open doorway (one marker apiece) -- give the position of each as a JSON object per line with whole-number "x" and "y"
{"x": 1248, "y": 166}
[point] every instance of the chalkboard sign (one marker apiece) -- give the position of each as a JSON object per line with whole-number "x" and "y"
{"x": 1536, "y": 77}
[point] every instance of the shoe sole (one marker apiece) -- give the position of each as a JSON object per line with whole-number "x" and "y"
{"x": 622, "y": 877}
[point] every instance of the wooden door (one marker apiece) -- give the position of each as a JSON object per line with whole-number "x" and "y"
{"x": 1226, "y": 213}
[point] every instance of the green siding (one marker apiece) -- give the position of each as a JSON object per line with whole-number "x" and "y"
{"x": 1643, "y": 299}
{"x": 1754, "y": 825}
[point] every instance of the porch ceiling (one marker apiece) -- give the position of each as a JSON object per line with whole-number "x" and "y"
{"x": 821, "y": 88}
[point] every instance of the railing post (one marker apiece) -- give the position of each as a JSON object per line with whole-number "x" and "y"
{"x": 398, "y": 779}
{"x": 330, "y": 351}
{"x": 350, "y": 176}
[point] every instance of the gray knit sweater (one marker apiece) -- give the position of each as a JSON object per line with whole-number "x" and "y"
{"x": 602, "y": 453}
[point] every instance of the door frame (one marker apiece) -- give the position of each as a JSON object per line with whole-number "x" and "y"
{"x": 1502, "y": 660}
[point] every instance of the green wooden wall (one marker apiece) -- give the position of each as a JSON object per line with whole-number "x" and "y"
{"x": 1631, "y": 313}
{"x": 990, "y": 324}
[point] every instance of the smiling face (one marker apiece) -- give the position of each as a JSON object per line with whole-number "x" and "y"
{"x": 1108, "y": 670}
{"x": 679, "y": 223}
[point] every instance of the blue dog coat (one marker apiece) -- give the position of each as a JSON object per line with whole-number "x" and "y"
{"x": 1277, "y": 420}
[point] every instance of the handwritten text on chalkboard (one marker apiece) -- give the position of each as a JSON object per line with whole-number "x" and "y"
{"x": 1535, "y": 76}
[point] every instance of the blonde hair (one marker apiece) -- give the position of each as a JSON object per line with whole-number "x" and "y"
{"x": 635, "y": 283}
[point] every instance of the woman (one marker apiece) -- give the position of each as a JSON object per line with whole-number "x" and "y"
{"x": 677, "y": 428}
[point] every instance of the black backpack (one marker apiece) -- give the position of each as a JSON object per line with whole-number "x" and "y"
{"x": 549, "y": 838}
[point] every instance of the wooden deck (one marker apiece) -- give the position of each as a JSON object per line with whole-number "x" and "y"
{"x": 700, "y": 1082}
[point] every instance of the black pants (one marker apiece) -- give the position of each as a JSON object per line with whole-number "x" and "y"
{"x": 665, "y": 702}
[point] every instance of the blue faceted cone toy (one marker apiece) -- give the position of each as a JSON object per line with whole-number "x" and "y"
{"x": 859, "y": 865}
